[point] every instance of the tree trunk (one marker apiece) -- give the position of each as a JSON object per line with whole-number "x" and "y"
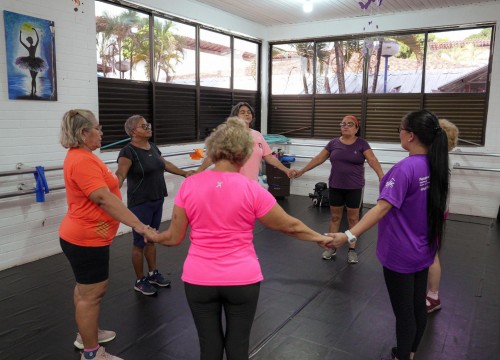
{"x": 339, "y": 60}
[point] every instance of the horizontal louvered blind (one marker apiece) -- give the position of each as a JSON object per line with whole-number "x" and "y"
{"x": 175, "y": 113}
{"x": 215, "y": 107}
{"x": 118, "y": 100}
{"x": 467, "y": 111}
{"x": 291, "y": 115}
{"x": 384, "y": 114}
{"x": 330, "y": 110}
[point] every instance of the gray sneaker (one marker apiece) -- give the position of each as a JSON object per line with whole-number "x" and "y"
{"x": 103, "y": 336}
{"x": 329, "y": 254}
{"x": 352, "y": 257}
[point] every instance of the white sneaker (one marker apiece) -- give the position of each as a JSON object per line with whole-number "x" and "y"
{"x": 103, "y": 336}
{"x": 102, "y": 355}
{"x": 329, "y": 254}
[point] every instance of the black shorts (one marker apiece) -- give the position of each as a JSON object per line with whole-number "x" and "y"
{"x": 90, "y": 264}
{"x": 351, "y": 198}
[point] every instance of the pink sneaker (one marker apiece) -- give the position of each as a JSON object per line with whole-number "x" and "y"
{"x": 432, "y": 305}
{"x": 102, "y": 355}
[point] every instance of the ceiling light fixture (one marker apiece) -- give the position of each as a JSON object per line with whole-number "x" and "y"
{"x": 307, "y": 7}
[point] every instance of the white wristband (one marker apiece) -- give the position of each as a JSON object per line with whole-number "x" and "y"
{"x": 351, "y": 239}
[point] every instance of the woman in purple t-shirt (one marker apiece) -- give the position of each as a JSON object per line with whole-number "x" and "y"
{"x": 347, "y": 177}
{"x": 222, "y": 271}
{"x": 410, "y": 216}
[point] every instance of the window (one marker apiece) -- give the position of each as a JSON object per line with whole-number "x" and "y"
{"x": 292, "y": 68}
{"x": 187, "y": 86}
{"x": 380, "y": 79}
{"x": 339, "y": 67}
{"x": 215, "y": 59}
{"x": 457, "y": 61}
{"x": 396, "y": 63}
{"x": 174, "y": 52}
{"x": 122, "y": 43}
{"x": 246, "y": 68}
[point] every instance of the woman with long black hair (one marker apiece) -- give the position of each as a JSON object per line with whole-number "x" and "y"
{"x": 410, "y": 216}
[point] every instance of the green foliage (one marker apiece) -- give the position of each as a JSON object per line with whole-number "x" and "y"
{"x": 484, "y": 34}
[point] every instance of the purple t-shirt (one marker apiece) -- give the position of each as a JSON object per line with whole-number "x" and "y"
{"x": 348, "y": 171}
{"x": 403, "y": 244}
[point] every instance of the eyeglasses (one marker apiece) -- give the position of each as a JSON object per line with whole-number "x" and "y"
{"x": 145, "y": 126}
{"x": 402, "y": 128}
{"x": 347, "y": 124}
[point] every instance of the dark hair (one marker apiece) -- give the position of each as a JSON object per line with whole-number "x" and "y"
{"x": 425, "y": 125}
{"x": 236, "y": 109}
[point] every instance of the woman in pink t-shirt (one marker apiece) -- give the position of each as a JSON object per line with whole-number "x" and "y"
{"x": 222, "y": 271}
{"x": 261, "y": 150}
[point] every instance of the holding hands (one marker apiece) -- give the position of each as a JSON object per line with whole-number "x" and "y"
{"x": 336, "y": 240}
{"x": 295, "y": 173}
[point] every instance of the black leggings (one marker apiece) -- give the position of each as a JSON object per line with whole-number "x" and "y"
{"x": 239, "y": 303}
{"x": 407, "y": 293}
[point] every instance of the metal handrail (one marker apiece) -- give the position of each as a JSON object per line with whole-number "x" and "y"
{"x": 21, "y": 169}
{"x": 454, "y": 152}
{"x": 460, "y": 167}
{"x": 60, "y": 187}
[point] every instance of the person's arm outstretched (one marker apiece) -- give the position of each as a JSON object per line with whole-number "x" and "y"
{"x": 315, "y": 161}
{"x": 124, "y": 165}
{"x": 372, "y": 160}
{"x": 21, "y": 41}
{"x": 110, "y": 203}
{"x": 171, "y": 168}
{"x": 371, "y": 218}
{"x": 271, "y": 160}
{"x": 37, "y": 38}
{"x": 205, "y": 164}
{"x": 175, "y": 233}
{"x": 278, "y": 219}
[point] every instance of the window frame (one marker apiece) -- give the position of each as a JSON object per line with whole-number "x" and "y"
{"x": 479, "y": 100}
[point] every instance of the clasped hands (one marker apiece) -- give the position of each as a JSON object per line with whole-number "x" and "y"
{"x": 294, "y": 173}
{"x": 336, "y": 240}
{"x": 150, "y": 235}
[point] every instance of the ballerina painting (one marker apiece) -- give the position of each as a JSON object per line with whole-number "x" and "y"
{"x": 31, "y": 57}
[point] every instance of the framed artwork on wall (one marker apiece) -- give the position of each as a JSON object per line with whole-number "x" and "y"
{"x": 31, "y": 57}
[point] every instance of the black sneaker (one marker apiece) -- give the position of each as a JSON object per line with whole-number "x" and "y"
{"x": 157, "y": 279}
{"x": 145, "y": 287}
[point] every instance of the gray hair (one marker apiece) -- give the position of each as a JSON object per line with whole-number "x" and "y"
{"x": 230, "y": 141}
{"x": 72, "y": 125}
{"x": 131, "y": 123}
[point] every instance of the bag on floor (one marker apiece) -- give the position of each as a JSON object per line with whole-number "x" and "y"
{"x": 320, "y": 195}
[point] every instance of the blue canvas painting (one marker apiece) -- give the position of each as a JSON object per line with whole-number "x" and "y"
{"x": 31, "y": 57}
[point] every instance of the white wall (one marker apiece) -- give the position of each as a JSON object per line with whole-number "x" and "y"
{"x": 472, "y": 192}
{"x": 29, "y": 129}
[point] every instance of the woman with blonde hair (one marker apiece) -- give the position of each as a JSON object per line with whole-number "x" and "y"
{"x": 222, "y": 271}
{"x": 95, "y": 211}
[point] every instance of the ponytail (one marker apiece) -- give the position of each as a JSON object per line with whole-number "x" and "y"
{"x": 425, "y": 125}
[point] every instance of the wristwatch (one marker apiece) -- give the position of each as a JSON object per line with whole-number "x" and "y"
{"x": 351, "y": 239}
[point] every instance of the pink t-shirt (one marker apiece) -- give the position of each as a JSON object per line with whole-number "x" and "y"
{"x": 221, "y": 208}
{"x": 260, "y": 149}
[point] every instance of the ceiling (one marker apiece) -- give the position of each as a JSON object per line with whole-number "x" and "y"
{"x": 283, "y": 12}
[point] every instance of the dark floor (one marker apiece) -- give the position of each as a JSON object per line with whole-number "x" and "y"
{"x": 309, "y": 309}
